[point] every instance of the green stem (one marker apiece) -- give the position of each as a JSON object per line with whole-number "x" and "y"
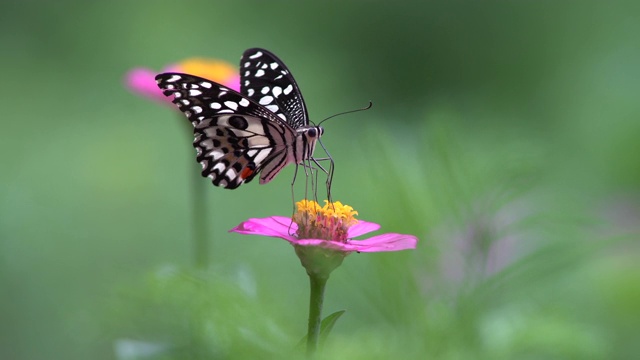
{"x": 199, "y": 224}
{"x": 316, "y": 299}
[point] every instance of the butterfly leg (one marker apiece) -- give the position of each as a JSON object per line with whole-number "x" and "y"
{"x": 329, "y": 173}
{"x": 293, "y": 182}
{"x": 313, "y": 167}
{"x": 314, "y": 180}
{"x": 311, "y": 174}
{"x": 293, "y": 199}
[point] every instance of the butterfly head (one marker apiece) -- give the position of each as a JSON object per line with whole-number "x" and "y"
{"x": 313, "y": 132}
{"x": 307, "y": 138}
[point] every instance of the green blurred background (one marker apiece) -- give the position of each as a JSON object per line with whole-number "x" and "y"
{"x": 505, "y": 135}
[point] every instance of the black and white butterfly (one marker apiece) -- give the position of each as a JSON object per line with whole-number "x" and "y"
{"x": 258, "y": 131}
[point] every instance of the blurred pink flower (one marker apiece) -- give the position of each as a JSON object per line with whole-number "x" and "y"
{"x": 342, "y": 229}
{"x": 142, "y": 81}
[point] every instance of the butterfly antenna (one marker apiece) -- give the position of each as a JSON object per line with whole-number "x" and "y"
{"x": 348, "y": 112}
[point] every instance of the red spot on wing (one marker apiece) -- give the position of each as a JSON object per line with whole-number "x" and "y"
{"x": 246, "y": 172}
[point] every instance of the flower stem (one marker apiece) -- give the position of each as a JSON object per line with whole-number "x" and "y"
{"x": 198, "y": 210}
{"x": 199, "y": 224}
{"x": 316, "y": 300}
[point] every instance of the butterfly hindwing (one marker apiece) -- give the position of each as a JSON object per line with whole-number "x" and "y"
{"x": 266, "y": 80}
{"x": 232, "y": 149}
{"x": 234, "y": 137}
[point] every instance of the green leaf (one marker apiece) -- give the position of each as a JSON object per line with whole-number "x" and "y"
{"x": 327, "y": 325}
{"x": 325, "y": 328}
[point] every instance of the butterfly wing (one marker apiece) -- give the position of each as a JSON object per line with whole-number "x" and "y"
{"x": 266, "y": 80}
{"x": 235, "y": 138}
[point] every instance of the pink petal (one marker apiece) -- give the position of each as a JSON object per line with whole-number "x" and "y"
{"x": 282, "y": 227}
{"x": 142, "y": 81}
{"x": 386, "y": 242}
{"x": 335, "y": 245}
{"x": 379, "y": 243}
{"x": 362, "y": 227}
{"x": 277, "y": 226}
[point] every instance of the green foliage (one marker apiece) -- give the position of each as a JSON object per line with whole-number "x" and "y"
{"x": 503, "y": 135}
{"x": 326, "y": 326}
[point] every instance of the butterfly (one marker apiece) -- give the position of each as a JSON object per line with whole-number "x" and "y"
{"x": 259, "y": 131}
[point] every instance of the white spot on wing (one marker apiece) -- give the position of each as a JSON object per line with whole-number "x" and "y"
{"x": 258, "y": 141}
{"x": 219, "y": 166}
{"x": 282, "y": 117}
{"x": 259, "y": 73}
{"x": 216, "y": 154}
{"x": 247, "y": 64}
{"x": 256, "y": 55}
{"x": 174, "y": 78}
{"x": 265, "y": 90}
{"x": 266, "y": 100}
{"x": 244, "y": 102}
{"x": 274, "y": 65}
{"x": 207, "y": 144}
{"x": 215, "y": 105}
{"x": 194, "y": 92}
{"x": 277, "y": 90}
{"x": 261, "y": 156}
{"x": 206, "y": 85}
{"x": 273, "y": 108}
{"x": 250, "y": 92}
{"x": 255, "y": 128}
{"x": 288, "y": 89}
{"x": 197, "y": 109}
{"x": 231, "y": 173}
{"x": 231, "y": 105}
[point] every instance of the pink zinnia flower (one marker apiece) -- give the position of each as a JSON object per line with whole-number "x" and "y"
{"x": 322, "y": 237}
{"x": 142, "y": 80}
{"x": 332, "y": 227}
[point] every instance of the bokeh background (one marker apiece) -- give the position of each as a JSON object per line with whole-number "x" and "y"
{"x": 504, "y": 134}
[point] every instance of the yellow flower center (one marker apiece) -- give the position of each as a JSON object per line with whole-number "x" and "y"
{"x": 328, "y": 222}
{"x": 216, "y": 70}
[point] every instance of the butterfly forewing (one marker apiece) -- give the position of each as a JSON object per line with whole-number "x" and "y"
{"x": 266, "y": 80}
{"x": 234, "y": 137}
{"x": 199, "y": 98}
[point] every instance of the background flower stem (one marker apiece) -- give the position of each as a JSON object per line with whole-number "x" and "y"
{"x": 199, "y": 236}
{"x": 316, "y": 300}
{"x": 198, "y": 216}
